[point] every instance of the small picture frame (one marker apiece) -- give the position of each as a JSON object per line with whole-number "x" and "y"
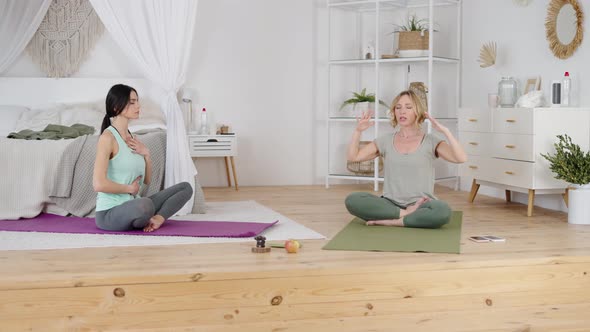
{"x": 533, "y": 84}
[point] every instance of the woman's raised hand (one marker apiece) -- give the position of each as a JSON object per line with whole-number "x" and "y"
{"x": 435, "y": 124}
{"x": 364, "y": 121}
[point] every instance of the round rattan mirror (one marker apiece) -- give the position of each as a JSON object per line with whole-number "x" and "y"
{"x": 564, "y": 27}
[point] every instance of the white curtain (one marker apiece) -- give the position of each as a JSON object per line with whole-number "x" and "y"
{"x": 157, "y": 35}
{"x": 19, "y": 20}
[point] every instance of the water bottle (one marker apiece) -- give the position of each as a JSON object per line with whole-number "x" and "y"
{"x": 204, "y": 125}
{"x": 566, "y": 87}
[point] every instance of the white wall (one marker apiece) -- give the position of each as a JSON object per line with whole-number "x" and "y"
{"x": 523, "y": 52}
{"x": 252, "y": 66}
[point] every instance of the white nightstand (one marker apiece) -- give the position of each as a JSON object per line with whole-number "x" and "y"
{"x": 225, "y": 146}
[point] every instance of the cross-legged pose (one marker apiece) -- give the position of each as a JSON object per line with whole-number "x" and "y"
{"x": 123, "y": 166}
{"x": 408, "y": 157}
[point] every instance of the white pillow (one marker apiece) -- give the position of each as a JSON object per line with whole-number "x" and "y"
{"x": 9, "y": 116}
{"x": 87, "y": 114}
{"x": 151, "y": 110}
{"x": 145, "y": 124}
{"x": 150, "y": 117}
{"x": 39, "y": 117}
{"x": 62, "y": 114}
{"x": 88, "y": 117}
{"x": 91, "y": 114}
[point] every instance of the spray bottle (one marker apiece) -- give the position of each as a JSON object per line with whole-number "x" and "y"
{"x": 204, "y": 125}
{"x": 566, "y": 86}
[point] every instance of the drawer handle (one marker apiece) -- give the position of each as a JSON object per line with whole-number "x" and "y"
{"x": 509, "y": 173}
{"x": 472, "y": 120}
{"x": 473, "y": 167}
{"x": 510, "y": 146}
{"x": 212, "y": 140}
{"x": 473, "y": 143}
{"x": 511, "y": 121}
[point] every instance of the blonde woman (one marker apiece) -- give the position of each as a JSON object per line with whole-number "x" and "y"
{"x": 408, "y": 157}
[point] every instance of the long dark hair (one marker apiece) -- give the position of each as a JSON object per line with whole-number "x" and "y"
{"x": 117, "y": 100}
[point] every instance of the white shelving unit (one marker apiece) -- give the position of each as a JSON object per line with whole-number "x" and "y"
{"x": 355, "y": 24}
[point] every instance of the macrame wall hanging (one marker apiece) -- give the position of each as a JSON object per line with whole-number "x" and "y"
{"x": 65, "y": 37}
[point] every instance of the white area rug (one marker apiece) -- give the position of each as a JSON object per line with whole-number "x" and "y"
{"x": 216, "y": 211}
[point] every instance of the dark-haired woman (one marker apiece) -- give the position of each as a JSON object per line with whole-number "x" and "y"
{"x": 123, "y": 166}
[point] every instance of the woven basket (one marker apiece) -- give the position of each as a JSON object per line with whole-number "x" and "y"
{"x": 364, "y": 167}
{"x": 413, "y": 40}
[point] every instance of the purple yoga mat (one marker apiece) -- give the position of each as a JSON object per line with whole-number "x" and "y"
{"x": 51, "y": 223}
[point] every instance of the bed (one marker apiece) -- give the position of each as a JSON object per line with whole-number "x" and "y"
{"x": 56, "y": 175}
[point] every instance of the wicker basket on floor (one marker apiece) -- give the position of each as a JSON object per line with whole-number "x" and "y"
{"x": 364, "y": 167}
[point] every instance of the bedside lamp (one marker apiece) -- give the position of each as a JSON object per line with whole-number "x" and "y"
{"x": 187, "y": 97}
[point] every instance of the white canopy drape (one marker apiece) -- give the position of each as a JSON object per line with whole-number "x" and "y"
{"x": 19, "y": 20}
{"x": 157, "y": 35}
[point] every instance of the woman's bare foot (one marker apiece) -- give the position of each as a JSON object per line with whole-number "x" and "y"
{"x": 413, "y": 207}
{"x": 155, "y": 223}
{"x": 386, "y": 222}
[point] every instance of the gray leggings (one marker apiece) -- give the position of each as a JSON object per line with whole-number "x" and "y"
{"x": 136, "y": 213}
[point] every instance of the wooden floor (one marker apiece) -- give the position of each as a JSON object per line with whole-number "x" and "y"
{"x": 539, "y": 280}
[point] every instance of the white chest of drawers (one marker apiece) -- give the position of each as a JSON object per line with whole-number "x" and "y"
{"x": 504, "y": 147}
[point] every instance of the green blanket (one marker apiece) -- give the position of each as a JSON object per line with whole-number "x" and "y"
{"x": 54, "y": 132}
{"x": 356, "y": 236}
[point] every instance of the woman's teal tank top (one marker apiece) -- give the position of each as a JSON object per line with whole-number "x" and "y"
{"x": 123, "y": 168}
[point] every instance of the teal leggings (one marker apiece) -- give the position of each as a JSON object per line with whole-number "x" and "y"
{"x": 432, "y": 214}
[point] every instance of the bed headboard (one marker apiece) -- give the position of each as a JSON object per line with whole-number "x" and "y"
{"x": 34, "y": 91}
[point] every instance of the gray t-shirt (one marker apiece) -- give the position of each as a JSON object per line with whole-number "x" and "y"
{"x": 408, "y": 176}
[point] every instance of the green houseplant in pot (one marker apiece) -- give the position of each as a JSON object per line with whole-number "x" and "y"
{"x": 571, "y": 164}
{"x": 362, "y": 101}
{"x": 413, "y": 37}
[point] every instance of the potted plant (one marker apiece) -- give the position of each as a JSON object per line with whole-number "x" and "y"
{"x": 571, "y": 164}
{"x": 363, "y": 100}
{"x": 413, "y": 37}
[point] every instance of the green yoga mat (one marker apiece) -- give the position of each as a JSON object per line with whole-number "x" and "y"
{"x": 356, "y": 236}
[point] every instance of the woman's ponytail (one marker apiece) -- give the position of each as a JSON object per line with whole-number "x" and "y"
{"x": 106, "y": 122}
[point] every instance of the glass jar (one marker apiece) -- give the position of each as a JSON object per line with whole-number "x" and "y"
{"x": 507, "y": 92}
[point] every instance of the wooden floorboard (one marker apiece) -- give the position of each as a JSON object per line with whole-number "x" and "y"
{"x": 538, "y": 280}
